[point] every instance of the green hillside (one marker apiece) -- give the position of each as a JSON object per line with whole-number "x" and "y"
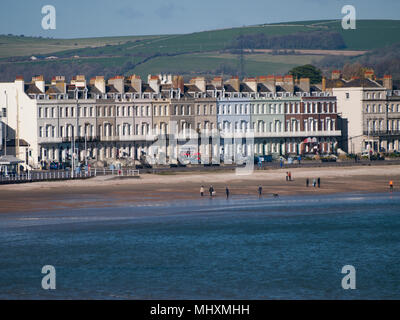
{"x": 208, "y": 52}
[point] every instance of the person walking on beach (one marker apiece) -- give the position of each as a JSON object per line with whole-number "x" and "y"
{"x": 307, "y": 182}
{"x": 319, "y": 182}
{"x": 287, "y": 176}
{"x": 201, "y": 191}
{"x": 290, "y": 176}
{"x": 211, "y": 190}
{"x": 227, "y": 192}
{"x": 314, "y": 183}
{"x": 391, "y": 185}
{"x": 259, "y": 191}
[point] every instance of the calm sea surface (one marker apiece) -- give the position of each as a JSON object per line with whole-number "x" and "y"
{"x": 273, "y": 248}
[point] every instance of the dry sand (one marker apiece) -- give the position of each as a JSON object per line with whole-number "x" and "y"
{"x": 107, "y": 191}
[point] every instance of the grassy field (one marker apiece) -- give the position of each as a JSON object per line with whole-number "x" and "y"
{"x": 369, "y": 34}
{"x": 189, "y": 54}
{"x": 11, "y": 46}
{"x": 213, "y": 63}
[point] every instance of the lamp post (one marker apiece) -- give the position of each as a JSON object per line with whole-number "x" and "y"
{"x": 6, "y": 128}
{"x": 86, "y": 163}
{"x": 72, "y": 150}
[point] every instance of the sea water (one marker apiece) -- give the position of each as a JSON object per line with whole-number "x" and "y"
{"x": 244, "y": 248}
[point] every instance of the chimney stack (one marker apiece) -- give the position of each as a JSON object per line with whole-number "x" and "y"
{"x": 304, "y": 84}
{"x": 217, "y": 82}
{"x": 136, "y": 83}
{"x": 118, "y": 82}
{"x": 251, "y": 83}
{"x": 369, "y": 74}
{"x": 235, "y": 83}
{"x": 200, "y": 83}
{"x": 38, "y": 81}
{"x": 177, "y": 83}
{"x": 336, "y": 74}
{"x": 323, "y": 84}
{"x": 154, "y": 83}
{"x": 99, "y": 83}
{"x": 289, "y": 83}
{"x": 59, "y": 83}
{"x": 270, "y": 83}
{"x": 79, "y": 81}
{"x": 388, "y": 82}
{"x": 20, "y": 82}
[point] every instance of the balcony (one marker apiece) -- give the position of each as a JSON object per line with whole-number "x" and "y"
{"x": 290, "y": 134}
{"x": 381, "y": 133}
{"x": 79, "y": 139}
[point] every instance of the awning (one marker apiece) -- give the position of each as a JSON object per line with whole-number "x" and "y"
{"x": 10, "y": 160}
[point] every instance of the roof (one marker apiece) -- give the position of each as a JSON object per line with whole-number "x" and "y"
{"x": 262, "y": 88}
{"x": 52, "y": 89}
{"x": 362, "y": 82}
{"x": 130, "y": 89}
{"x": 245, "y": 88}
{"x": 32, "y": 89}
{"x": 280, "y": 88}
{"x": 229, "y": 88}
{"x": 146, "y": 88}
{"x": 111, "y": 89}
{"x": 337, "y": 83}
{"x": 191, "y": 88}
{"x": 93, "y": 90}
{"x": 354, "y": 83}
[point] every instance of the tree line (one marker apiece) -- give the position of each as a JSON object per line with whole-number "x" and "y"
{"x": 301, "y": 40}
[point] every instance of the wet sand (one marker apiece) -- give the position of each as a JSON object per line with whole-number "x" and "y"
{"x": 107, "y": 191}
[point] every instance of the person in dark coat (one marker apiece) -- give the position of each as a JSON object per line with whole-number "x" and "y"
{"x": 211, "y": 190}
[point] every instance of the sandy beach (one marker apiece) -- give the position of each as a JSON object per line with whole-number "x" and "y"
{"x": 108, "y": 191}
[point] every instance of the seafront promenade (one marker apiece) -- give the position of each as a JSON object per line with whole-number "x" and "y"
{"x": 107, "y": 191}
{"x": 57, "y": 175}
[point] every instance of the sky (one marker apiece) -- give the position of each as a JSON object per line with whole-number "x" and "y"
{"x": 89, "y": 18}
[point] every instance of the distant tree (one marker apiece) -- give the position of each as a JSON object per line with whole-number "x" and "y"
{"x": 307, "y": 71}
